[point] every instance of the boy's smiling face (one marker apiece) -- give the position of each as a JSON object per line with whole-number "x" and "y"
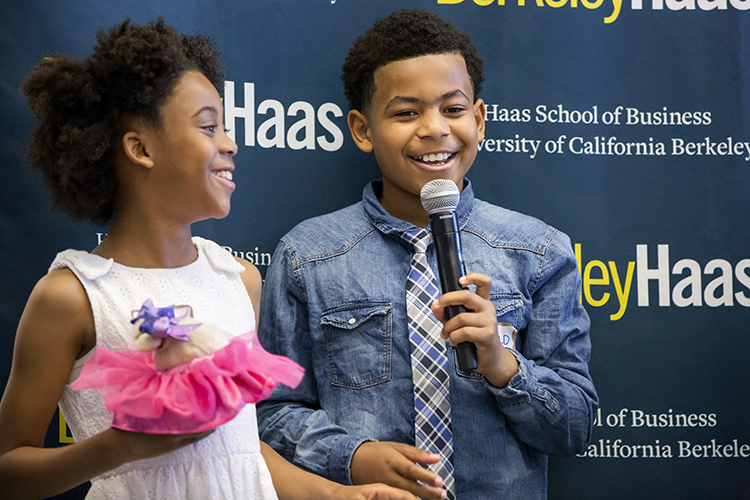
{"x": 423, "y": 124}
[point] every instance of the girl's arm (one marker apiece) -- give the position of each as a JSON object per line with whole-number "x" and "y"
{"x": 253, "y": 284}
{"x": 56, "y": 328}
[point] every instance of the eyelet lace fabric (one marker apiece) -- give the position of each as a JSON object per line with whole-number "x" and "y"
{"x": 225, "y": 465}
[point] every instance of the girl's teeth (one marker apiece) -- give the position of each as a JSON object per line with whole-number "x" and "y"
{"x": 224, "y": 174}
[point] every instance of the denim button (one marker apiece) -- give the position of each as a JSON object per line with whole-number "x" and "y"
{"x": 552, "y": 404}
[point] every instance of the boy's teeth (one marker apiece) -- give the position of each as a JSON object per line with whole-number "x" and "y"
{"x": 225, "y": 174}
{"x": 435, "y": 157}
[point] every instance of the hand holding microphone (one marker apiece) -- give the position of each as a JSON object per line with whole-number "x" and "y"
{"x": 440, "y": 198}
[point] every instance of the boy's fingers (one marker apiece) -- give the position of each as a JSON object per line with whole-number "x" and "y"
{"x": 465, "y": 298}
{"x": 413, "y": 472}
{"x": 416, "y": 455}
{"x": 423, "y": 483}
{"x": 464, "y": 334}
{"x": 410, "y": 468}
{"x": 481, "y": 281}
{"x": 438, "y": 311}
{"x": 422, "y": 475}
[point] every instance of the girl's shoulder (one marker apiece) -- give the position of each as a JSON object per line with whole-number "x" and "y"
{"x": 60, "y": 311}
{"x": 252, "y": 280}
{"x": 222, "y": 260}
{"x": 90, "y": 266}
{"x": 218, "y": 257}
{"x": 59, "y": 291}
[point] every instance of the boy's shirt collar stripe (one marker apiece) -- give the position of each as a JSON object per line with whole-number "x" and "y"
{"x": 394, "y": 227}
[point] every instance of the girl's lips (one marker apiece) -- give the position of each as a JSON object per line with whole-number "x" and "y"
{"x": 224, "y": 177}
{"x": 223, "y": 174}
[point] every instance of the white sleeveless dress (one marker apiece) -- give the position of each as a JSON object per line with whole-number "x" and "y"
{"x": 225, "y": 465}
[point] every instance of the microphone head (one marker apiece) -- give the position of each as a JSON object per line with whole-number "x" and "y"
{"x": 440, "y": 195}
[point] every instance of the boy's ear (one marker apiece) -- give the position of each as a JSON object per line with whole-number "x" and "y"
{"x": 134, "y": 145}
{"x": 480, "y": 114}
{"x": 359, "y": 126}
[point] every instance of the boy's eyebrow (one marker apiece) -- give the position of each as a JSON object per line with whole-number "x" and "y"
{"x": 411, "y": 100}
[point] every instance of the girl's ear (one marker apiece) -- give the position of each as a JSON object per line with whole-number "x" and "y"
{"x": 359, "y": 127}
{"x": 135, "y": 149}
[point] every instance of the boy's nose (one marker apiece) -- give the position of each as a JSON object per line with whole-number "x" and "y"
{"x": 433, "y": 125}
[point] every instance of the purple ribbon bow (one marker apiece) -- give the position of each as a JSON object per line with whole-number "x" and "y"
{"x": 161, "y": 322}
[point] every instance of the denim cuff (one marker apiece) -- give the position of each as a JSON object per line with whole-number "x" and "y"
{"x": 519, "y": 386}
{"x": 340, "y": 460}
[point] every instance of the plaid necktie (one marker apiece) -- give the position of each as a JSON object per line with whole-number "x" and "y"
{"x": 428, "y": 362}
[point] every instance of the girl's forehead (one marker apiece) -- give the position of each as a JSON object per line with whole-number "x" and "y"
{"x": 193, "y": 93}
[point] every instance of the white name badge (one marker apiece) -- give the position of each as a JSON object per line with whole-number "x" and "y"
{"x": 507, "y": 335}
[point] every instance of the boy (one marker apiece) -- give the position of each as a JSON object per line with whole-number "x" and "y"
{"x": 335, "y": 299}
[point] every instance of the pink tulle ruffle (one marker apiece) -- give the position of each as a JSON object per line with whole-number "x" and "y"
{"x": 193, "y": 397}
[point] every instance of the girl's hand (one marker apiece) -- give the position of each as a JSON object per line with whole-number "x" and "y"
{"x": 477, "y": 325}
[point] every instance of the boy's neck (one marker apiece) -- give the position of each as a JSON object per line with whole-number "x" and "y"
{"x": 404, "y": 206}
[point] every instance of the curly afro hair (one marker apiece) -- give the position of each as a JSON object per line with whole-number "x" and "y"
{"x": 403, "y": 35}
{"x": 83, "y": 107}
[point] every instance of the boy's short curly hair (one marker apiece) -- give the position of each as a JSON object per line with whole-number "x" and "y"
{"x": 83, "y": 107}
{"x": 403, "y": 35}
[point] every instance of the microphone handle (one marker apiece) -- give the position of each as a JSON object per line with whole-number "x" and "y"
{"x": 451, "y": 267}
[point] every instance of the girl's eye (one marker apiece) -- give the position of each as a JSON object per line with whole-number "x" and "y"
{"x": 210, "y": 128}
{"x": 405, "y": 113}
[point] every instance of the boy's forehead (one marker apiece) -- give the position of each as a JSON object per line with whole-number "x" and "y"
{"x": 404, "y": 78}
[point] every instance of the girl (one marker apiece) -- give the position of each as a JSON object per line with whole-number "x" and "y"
{"x": 133, "y": 136}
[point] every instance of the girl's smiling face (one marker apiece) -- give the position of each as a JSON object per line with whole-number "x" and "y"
{"x": 191, "y": 152}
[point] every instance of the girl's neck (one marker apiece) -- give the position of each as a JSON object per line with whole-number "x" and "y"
{"x": 148, "y": 245}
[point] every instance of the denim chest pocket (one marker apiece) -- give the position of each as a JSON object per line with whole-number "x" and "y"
{"x": 508, "y": 308}
{"x": 358, "y": 341}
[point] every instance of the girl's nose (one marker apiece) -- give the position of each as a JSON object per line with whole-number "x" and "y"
{"x": 228, "y": 146}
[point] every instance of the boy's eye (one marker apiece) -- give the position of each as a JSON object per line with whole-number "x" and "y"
{"x": 454, "y": 109}
{"x": 405, "y": 113}
{"x": 210, "y": 128}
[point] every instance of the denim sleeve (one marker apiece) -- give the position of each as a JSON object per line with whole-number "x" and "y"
{"x": 551, "y": 402}
{"x": 290, "y": 420}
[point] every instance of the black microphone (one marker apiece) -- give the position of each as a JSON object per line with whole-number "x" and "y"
{"x": 440, "y": 199}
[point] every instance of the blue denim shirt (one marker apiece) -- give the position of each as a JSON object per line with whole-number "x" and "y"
{"x": 334, "y": 301}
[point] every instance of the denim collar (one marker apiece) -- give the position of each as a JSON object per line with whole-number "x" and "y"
{"x": 390, "y": 225}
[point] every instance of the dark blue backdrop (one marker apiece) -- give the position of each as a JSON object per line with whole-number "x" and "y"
{"x": 640, "y": 116}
